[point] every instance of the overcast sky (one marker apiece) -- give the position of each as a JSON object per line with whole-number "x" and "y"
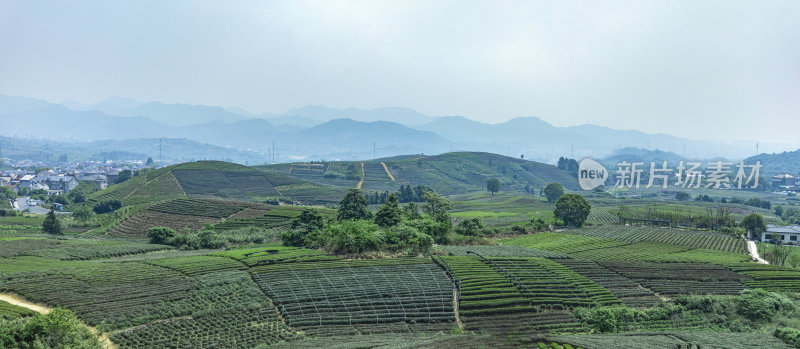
{"x": 696, "y": 69}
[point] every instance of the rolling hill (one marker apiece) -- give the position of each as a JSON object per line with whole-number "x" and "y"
{"x": 450, "y": 173}
{"x": 215, "y": 180}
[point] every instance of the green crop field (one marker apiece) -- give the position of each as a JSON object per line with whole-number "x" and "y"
{"x": 600, "y": 286}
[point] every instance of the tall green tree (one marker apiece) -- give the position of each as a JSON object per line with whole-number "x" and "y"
{"x": 754, "y": 223}
{"x": 573, "y": 209}
{"x": 493, "y": 185}
{"x": 411, "y": 211}
{"x": 354, "y": 206}
{"x": 124, "y": 175}
{"x": 436, "y": 206}
{"x": 309, "y": 220}
{"x": 51, "y": 224}
{"x": 389, "y": 213}
{"x": 82, "y": 214}
{"x": 553, "y": 192}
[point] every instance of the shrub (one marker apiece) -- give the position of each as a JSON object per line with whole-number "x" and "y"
{"x": 107, "y": 206}
{"x": 471, "y": 227}
{"x": 160, "y": 235}
{"x": 788, "y": 335}
{"x": 760, "y": 305}
{"x": 59, "y": 328}
{"x": 350, "y": 236}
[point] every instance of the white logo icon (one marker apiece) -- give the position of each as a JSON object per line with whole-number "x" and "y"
{"x": 591, "y": 174}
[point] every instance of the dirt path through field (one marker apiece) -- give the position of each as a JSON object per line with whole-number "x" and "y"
{"x": 41, "y": 309}
{"x": 387, "y": 171}
{"x": 753, "y": 249}
{"x": 20, "y": 302}
{"x": 358, "y": 186}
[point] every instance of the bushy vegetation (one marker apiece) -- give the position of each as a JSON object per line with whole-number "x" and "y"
{"x": 107, "y": 206}
{"x": 57, "y": 329}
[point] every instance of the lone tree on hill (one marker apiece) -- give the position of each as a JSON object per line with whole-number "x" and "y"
{"x": 389, "y": 213}
{"x": 573, "y": 209}
{"x": 51, "y": 224}
{"x": 493, "y": 185}
{"x": 553, "y": 191}
{"x": 353, "y": 206}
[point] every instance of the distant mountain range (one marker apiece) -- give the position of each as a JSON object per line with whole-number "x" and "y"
{"x": 322, "y": 133}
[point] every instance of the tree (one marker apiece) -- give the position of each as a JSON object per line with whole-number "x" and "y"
{"x": 411, "y": 211}
{"x": 51, "y": 224}
{"x": 754, "y": 223}
{"x": 388, "y": 214}
{"x": 778, "y": 211}
{"x": 681, "y": 196}
{"x": 149, "y": 162}
{"x": 7, "y": 194}
{"x": 573, "y": 209}
{"x": 160, "y": 235}
{"x": 309, "y": 220}
{"x": 436, "y": 206}
{"x": 124, "y": 175}
{"x": 493, "y": 185}
{"x": 553, "y": 192}
{"x": 82, "y": 214}
{"x": 353, "y": 206}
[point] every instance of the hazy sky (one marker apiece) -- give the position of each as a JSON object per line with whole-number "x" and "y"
{"x": 697, "y": 69}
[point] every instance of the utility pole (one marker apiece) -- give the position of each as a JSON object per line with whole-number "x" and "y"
{"x": 273, "y": 151}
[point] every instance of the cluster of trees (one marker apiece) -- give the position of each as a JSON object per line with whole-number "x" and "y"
{"x": 205, "y": 238}
{"x": 410, "y": 228}
{"x": 77, "y": 195}
{"x": 107, "y": 206}
{"x": 568, "y": 165}
{"x": 789, "y": 215}
{"x": 406, "y": 194}
{"x": 7, "y": 194}
{"x": 37, "y": 194}
{"x": 756, "y": 202}
{"x": 59, "y": 328}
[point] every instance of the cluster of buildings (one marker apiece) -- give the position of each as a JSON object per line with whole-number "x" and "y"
{"x": 53, "y": 181}
{"x": 785, "y": 182}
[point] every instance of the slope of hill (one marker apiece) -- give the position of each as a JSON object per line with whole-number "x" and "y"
{"x": 788, "y": 161}
{"x": 216, "y": 180}
{"x": 450, "y": 173}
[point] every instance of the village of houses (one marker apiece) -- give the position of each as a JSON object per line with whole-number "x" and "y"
{"x": 56, "y": 179}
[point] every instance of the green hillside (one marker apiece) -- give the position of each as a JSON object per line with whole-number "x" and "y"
{"x": 450, "y": 173}
{"x": 215, "y": 179}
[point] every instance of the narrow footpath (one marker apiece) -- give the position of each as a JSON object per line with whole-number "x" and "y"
{"x": 753, "y": 249}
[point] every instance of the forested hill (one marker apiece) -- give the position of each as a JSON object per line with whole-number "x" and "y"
{"x": 788, "y": 161}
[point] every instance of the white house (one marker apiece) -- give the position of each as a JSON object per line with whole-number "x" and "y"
{"x": 788, "y": 234}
